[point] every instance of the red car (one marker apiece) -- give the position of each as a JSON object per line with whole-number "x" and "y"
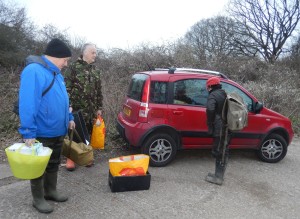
{"x": 165, "y": 111}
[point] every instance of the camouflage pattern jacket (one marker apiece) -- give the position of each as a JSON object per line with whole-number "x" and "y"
{"x": 84, "y": 88}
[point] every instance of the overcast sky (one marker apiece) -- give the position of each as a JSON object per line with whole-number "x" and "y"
{"x": 122, "y": 23}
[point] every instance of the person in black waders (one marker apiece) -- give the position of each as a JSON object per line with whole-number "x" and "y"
{"x": 217, "y": 128}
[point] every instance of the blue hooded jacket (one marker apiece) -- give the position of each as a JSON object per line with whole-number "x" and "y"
{"x": 43, "y": 116}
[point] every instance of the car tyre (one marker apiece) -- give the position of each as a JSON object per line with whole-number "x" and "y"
{"x": 273, "y": 149}
{"x": 161, "y": 148}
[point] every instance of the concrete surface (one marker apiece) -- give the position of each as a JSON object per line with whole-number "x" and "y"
{"x": 5, "y": 171}
{"x": 252, "y": 189}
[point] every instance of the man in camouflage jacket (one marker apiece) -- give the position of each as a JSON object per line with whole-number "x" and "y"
{"x": 84, "y": 85}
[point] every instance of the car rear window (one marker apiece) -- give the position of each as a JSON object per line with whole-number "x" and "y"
{"x": 136, "y": 86}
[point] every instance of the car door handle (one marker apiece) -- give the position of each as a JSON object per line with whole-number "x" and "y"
{"x": 177, "y": 112}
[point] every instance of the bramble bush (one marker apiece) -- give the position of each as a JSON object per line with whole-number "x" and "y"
{"x": 275, "y": 85}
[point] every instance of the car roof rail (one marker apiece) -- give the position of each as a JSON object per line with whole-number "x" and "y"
{"x": 161, "y": 69}
{"x": 172, "y": 71}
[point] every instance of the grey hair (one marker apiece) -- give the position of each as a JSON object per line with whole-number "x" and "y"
{"x": 85, "y": 46}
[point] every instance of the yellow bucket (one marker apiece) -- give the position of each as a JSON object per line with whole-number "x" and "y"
{"x": 27, "y": 166}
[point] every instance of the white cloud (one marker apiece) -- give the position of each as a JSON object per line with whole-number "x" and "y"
{"x": 123, "y": 23}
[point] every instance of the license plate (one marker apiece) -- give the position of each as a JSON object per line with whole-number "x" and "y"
{"x": 127, "y": 111}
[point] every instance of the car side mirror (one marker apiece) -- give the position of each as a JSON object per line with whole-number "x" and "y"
{"x": 258, "y": 107}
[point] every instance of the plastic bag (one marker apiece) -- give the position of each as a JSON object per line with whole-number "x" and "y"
{"x": 98, "y": 134}
{"x": 28, "y": 162}
{"x": 38, "y": 148}
{"x": 133, "y": 165}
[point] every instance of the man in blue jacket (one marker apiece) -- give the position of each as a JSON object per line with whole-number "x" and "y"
{"x": 46, "y": 117}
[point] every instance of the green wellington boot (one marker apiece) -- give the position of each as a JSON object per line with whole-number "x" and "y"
{"x": 39, "y": 201}
{"x": 50, "y": 182}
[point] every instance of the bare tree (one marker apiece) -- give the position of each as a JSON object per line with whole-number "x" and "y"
{"x": 293, "y": 59}
{"x": 265, "y": 25}
{"x": 16, "y": 34}
{"x": 295, "y": 48}
{"x": 184, "y": 55}
{"x": 212, "y": 40}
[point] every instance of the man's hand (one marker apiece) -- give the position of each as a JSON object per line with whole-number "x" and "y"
{"x": 72, "y": 125}
{"x": 99, "y": 113}
{"x": 29, "y": 142}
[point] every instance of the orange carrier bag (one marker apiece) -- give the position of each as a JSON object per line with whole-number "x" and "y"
{"x": 132, "y": 165}
{"x": 98, "y": 134}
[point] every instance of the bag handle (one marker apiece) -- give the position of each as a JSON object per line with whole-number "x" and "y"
{"x": 71, "y": 138}
{"x": 70, "y": 141}
{"x": 33, "y": 151}
{"x": 72, "y": 134}
{"x": 50, "y": 86}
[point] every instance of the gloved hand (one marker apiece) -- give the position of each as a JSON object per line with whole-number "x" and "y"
{"x": 210, "y": 131}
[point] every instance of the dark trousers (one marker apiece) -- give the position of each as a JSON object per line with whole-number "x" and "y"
{"x": 219, "y": 144}
{"x": 56, "y": 145}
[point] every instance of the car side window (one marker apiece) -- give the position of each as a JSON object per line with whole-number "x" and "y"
{"x": 158, "y": 92}
{"x": 232, "y": 89}
{"x": 190, "y": 92}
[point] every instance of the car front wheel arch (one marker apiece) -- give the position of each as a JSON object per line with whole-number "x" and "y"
{"x": 273, "y": 148}
{"x": 161, "y": 147}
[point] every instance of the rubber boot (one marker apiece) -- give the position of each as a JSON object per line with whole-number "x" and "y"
{"x": 50, "y": 182}
{"x": 39, "y": 201}
{"x": 218, "y": 177}
{"x": 70, "y": 165}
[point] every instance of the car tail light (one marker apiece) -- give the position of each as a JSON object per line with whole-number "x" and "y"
{"x": 143, "y": 111}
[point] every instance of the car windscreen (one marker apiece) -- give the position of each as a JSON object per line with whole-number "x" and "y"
{"x": 232, "y": 89}
{"x": 136, "y": 86}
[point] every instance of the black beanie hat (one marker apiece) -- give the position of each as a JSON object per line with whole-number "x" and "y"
{"x": 57, "y": 48}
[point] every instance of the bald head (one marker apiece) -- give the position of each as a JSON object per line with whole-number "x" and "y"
{"x": 89, "y": 52}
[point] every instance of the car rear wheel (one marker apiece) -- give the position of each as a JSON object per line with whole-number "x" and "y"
{"x": 161, "y": 148}
{"x": 273, "y": 149}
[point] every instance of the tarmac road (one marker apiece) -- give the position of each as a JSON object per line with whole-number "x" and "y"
{"x": 252, "y": 189}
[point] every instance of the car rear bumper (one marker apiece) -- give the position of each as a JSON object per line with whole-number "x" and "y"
{"x": 121, "y": 130}
{"x": 131, "y": 132}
